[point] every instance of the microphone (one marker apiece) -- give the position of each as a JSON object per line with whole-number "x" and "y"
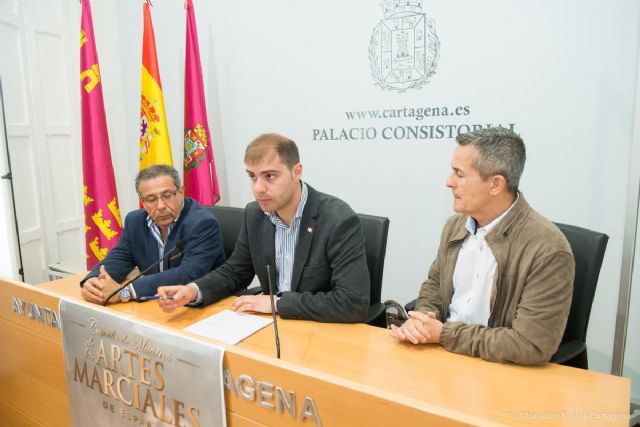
{"x": 267, "y": 265}
{"x": 179, "y": 246}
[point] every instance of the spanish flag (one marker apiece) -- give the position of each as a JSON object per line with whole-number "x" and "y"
{"x": 155, "y": 147}
{"x": 103, "y": 225}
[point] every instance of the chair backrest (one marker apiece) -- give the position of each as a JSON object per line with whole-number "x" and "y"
{"x": 375, "y": 230}
{"x": 588, "y": 251}
{"x": 230, "y": 220}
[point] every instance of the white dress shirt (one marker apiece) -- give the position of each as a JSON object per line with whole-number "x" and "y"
{"x": 473, "y": 276}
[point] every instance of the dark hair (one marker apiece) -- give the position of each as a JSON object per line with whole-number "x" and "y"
{"x": 286, "y": 149}
{"x": 155, "y": 171}
{"x": 500, "y": 152}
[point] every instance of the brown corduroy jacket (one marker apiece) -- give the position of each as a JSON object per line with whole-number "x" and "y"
{"x": 531, "y": 293}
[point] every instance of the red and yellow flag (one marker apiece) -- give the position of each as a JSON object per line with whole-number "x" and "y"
{"x": 200, "y": 179}
{"x": 103, "y": 224}
{"x": 155, "y": 147}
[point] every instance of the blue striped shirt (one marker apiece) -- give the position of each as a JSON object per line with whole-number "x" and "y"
{"x": 155, "y": 232}
{"x": 286, "y": 241}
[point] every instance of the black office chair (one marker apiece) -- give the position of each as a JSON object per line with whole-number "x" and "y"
{"x": 230, "y": 220}
{"x": 588, "y": 251}
{"x": 375, "y": 230}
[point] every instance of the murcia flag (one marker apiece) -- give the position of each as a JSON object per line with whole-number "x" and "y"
{"x": 200, "y": 180}
{"x": 154, "y": 136}
{"x": 103, "y": 225}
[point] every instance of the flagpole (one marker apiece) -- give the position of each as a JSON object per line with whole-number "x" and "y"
{"x": 9, "y": 176}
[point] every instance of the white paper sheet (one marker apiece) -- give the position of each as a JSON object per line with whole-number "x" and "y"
{"x": 228, "y": 326}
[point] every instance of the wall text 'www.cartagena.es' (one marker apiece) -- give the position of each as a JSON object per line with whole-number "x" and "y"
{"x": 399, "y": 131}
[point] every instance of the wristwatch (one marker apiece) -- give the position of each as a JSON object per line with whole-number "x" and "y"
{"x": 125, "y": 294}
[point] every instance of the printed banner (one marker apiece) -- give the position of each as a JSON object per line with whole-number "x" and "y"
{"x": 121, "y": 372}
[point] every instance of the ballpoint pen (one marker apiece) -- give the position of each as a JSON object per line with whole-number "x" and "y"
{"x": 152, "y": 297}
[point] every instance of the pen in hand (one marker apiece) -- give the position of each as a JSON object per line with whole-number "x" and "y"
{"x": 152, "y": 297}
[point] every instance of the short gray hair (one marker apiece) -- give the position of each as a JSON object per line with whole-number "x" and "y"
{"x": 501, "y": 151}
{"x": 156, "y": 171}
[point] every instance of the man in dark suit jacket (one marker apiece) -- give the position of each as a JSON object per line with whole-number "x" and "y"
{"x": 315, "y": 240}
{"x": 167, "y": 218}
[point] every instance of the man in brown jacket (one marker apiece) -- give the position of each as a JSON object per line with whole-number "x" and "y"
{"x": 500, "y": 287}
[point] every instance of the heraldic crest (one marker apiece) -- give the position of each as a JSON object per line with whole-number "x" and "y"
{"x": 404, "y": 48}
{"x": 195, "y": 146}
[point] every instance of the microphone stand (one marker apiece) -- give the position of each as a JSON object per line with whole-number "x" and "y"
{"x": 273, "y": 310}
{"x": 178, "y": 246}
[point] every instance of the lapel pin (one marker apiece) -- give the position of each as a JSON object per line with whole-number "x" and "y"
{"x": 309, "y": 230}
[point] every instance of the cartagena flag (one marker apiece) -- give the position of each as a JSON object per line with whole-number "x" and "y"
{"x": 155, "y": 147}
{"x": 103, "y": 224}
{"x": 200, "y": 180}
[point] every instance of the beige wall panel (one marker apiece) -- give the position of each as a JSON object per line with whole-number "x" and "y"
{"x": 14, "y": 71}
{"x": 65, "y": 179}
{"x": 42, "y": 120}
{"x": 23, "y": 158}
{"x": 53, "y": 75}
{"x": 71, "y": 249}
{"x": 47, "y": 11}
{"x": 34, "y": 261}
{"x": 8, "y": 7}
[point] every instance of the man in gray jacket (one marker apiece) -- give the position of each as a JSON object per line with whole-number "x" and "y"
{"x": 313, "y": 243}
{"x": 500, "y": 287}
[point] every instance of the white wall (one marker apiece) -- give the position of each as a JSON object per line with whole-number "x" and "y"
{"x": 563, "y": 73}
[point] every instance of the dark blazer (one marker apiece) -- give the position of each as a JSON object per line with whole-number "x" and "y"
{"x": 138, "y": 248}
{"x": 330, "y": 279}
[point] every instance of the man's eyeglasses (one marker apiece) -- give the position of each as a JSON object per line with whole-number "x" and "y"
{"x": 166, "y": 197}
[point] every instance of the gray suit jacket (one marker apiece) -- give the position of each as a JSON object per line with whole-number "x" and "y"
{"x": 330, "y": 279}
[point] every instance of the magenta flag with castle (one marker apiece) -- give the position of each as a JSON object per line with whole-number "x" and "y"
{"x": 103, "y": 224}
{"x": 200, "y": 180}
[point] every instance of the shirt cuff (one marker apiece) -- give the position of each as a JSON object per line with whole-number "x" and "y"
{"x": 133, "y": 291}
{"x": 199, "y": 298}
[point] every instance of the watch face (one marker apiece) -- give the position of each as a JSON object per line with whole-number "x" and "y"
{"x": 125, "y": 295}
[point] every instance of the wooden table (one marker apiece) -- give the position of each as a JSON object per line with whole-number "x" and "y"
{"x": 357, "y": 375}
